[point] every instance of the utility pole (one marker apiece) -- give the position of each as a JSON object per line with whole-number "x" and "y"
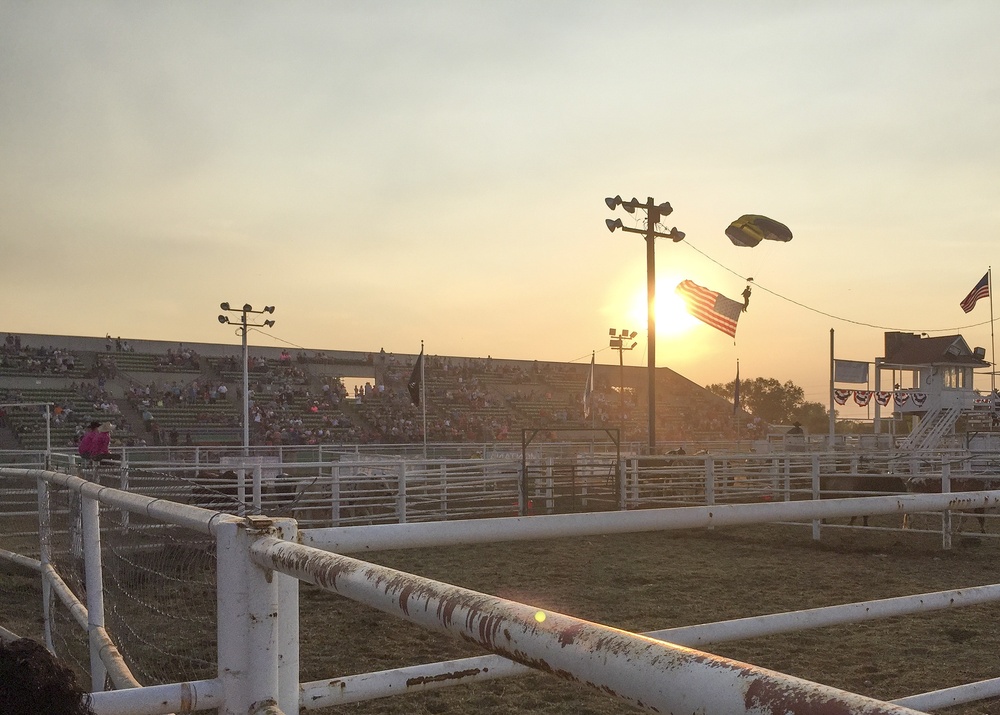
{"x": 242, "y": 327}
{"x": 654, "y": 212}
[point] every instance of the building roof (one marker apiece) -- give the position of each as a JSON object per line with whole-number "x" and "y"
{"x": 909, "y": 349}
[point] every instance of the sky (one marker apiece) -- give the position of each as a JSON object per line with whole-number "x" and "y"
{"x": 388, "y": 173}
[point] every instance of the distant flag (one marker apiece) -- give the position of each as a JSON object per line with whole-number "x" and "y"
{"x": 710, "y": 307}
{"x": 416, "y": 379}
{"x": 850, "y": 371}
{"x": 981, "y": 290}
{"x": 588, "y": 389}
{"x": 736, "y": 390}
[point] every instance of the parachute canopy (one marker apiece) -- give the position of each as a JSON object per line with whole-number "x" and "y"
{"x": 749, "y": 230}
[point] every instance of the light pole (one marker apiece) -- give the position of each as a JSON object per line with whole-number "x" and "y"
{"x": 619, "y": 342}
{"x": 654, "y": 212}
{"x": 241, "y": 328}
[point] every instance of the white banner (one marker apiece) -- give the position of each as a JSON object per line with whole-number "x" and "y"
{"x": 850, "y": 371}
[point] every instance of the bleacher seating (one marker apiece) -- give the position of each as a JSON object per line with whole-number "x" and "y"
{"x": 467, "y": 399}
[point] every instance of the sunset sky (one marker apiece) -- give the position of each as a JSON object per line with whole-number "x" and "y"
{"x": 385, "y": 173}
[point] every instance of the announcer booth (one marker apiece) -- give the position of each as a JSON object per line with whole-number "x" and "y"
{"x": 927, "y": 377}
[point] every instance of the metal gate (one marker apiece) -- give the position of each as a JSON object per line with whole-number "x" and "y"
{"x": 573, "y": 483}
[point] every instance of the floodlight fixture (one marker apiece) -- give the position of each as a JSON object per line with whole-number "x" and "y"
{"x": 613, "y": 203}
{"x": 612, "y": 224}
{"x": 618, "y": 342}
{"x": 243, "y": 327}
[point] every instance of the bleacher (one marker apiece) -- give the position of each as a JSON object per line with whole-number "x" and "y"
{"x": 132, "y": 362}
{"x": 69, "y": 414}
{"x": 466, "y": 398}
{"x": 204, "y": 423}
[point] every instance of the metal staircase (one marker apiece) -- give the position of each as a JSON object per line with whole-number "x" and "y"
{"x": 932, "y": 428}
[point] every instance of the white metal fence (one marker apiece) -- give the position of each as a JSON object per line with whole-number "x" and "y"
{"x": 88, "y": 530}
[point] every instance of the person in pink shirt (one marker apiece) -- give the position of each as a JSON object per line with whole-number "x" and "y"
{"x": 100, "y": 449}
{"x": 86, "y": 448}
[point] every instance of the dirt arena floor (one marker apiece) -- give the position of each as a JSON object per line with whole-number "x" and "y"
{"x": 651, "y": 581}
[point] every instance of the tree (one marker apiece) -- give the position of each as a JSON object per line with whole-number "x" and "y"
{"x": 776, "y": 402}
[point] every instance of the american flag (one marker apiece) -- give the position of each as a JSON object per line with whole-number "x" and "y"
{"x": 710, "y": 307}
{"x": 981, "y": 290}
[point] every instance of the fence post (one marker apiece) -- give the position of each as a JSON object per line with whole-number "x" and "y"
{"x": 634, "y": 480}
{"x": 550, "y": 502}
{"x": 94, "y": 579}
{"x": 401, "y": 494}
{"x": 444, "y": 488}
{"x": 247, "y": 617}
{"x": 946, "y": 514}
{"x": 815, "y": 494}
{"x": 335, "y": 495}
{"x": 622, "y": 471}
{"x": 241, "y": 489}
{"x": 787, "y": 475}
{"x": 522, "y": 489}
{"x": 45, "y": 551}
{"x": 288, "y": 628}
{"x": 709, "y": 481}
{"x": 258, "y": 488}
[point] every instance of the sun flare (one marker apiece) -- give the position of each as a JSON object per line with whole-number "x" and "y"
{"x": 672, "y": 318}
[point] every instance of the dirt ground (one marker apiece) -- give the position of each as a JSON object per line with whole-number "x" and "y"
{"x": 651, "y": 581}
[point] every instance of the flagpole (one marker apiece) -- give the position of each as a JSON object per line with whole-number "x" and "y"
{"x": 593, "y": 412}
{"x": 423, "y": 396}
{"x": 736, "y": 404}
{"x": 993, "y": 342}
{"x": 833, "y": 423}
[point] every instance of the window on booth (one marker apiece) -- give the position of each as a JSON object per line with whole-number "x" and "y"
{"x": 956, "y": 377}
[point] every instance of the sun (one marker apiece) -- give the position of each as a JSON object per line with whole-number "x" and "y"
{"x": 672, "y": 318}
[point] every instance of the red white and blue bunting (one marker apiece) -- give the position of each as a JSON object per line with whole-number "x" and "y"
{"x": 863, "y": 397}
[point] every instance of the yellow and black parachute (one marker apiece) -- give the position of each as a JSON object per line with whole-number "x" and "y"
{"x": 751, "y": 229}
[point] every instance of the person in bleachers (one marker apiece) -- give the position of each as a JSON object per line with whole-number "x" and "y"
{"x": 88, "y": 441}
{"x": 101, "y": 450}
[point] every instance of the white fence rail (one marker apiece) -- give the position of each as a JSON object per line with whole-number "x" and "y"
{"x": 259, "y": 564}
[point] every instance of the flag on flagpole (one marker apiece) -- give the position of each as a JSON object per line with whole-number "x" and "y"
{"x": 981, "y": 290}
{"x": 588, "y": 389}
{"x": 416, "y": 379}
{"x": 736, "y": 390}
{"x": 850, "y": 371}
{"x": 710, "y": 307}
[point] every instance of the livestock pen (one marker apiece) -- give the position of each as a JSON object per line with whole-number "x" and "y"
{"x": 532, "y": 560}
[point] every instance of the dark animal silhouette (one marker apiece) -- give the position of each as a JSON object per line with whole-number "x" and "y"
{"x": 932, "y": 485}
{"x": 844, "y": 486}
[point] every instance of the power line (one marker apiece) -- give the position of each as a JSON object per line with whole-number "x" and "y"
{"x": 831, "y": 315}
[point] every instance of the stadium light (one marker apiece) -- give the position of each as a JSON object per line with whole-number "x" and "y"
{"x": 618, "y": 342}
{"x": 654, "y": 212}
{"x": 242, "y": 327}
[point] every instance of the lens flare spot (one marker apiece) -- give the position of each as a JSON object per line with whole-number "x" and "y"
{"x": 540, "y": 616}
